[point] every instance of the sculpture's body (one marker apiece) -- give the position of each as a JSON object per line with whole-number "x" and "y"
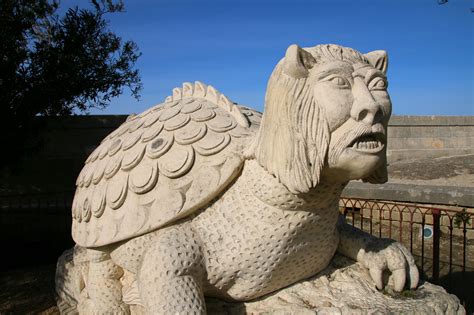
{"x": 200, "y": 197}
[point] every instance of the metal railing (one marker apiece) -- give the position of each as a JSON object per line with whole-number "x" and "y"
{"x": 436, "y": 236}
{"x": 404, "y": 222}
{"x": 35, "y": 228}
{"x": 48, "y": 203}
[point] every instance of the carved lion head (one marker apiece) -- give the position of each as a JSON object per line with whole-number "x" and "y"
{"x": 326, "y": 114}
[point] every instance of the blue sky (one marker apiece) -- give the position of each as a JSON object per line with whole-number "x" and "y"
{"x": 234, "y": 45}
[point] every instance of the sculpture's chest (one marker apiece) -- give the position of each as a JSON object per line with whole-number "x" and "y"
{"x": 253, "y": 249}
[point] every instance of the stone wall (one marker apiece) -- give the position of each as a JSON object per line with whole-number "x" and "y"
{"x": 66, "y": 143}
{"x": 419, "y": 137}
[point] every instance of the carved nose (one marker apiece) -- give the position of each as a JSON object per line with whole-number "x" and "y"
{"x": 365, "y": 108}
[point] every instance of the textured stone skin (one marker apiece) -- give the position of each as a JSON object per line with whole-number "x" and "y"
{"x": 200, "y": 197}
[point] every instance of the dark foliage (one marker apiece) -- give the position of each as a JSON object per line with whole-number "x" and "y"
{"x": 58, "y": 65}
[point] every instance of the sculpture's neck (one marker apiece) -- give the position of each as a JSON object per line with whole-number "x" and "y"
{"x": 269, "y": 190}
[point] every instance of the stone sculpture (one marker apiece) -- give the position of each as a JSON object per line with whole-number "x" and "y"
{"x": 199, "y": 196}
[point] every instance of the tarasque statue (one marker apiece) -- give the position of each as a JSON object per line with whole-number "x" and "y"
{"x": 199, "y": 196}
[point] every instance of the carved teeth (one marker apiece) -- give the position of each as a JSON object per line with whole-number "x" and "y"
{"x": 365, "y": 144}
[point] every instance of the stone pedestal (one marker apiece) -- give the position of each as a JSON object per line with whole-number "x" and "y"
{"x": 345, "y": 288}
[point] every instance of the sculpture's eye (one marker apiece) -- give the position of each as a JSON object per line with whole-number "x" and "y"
{"x": 338, "y": 81}
{"x": 378, "y": 83}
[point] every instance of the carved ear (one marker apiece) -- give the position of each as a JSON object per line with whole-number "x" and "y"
{"x": 378, "y": 59}
{"x": 297, "y": 62}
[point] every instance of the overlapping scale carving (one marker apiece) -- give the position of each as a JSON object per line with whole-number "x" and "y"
{"x": 76, "y": 203}
{"x": 177, "y": 122}
{"x": 131, "y": 139}
{"x": 160, "y": 145}
{"x": 191, "y": 107}
{"x": 177, "y": 162}
{"x": 147, "y": 112}
{"x": 203, "y": 115}
{"x": 190, "y": 133}
{"x": 104, "y": 149}
{"x": 168, "y": 113}
{"x": 151, "y": 118}
{"x": 135, "y": 124}
{"x": 112, "y": 167}
{"x": 132, "y": 157}
{"x": 160, "y": 166}
{"x": 212, "y": 145}
{"x": 117, "y": 189}
{"x": 87, "y": 179}
{"x": 115, "y": 146}
{"x": 171, "y": 104}
{"x": 80, "y": 177}
{"x": 143, "y": 177}
{"x": 152, "y": 132}
{"x": 94, "y": 155}
{"x": 122, "y": 130}
{"x": 86, "y": 210}
{"x": 98, "y": 200}
{"x": 222, "y": 124}
{"x": 239, "y": 132}
{"x": 98, "y": 171}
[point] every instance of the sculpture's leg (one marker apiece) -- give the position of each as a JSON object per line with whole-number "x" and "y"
{"x": 68, "y": 283}
{"x": 171, "y": 274}
{"x": 103, "y": 286}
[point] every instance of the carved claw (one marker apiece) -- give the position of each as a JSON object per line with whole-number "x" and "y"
{"x": 376, "y": 274}
{"x": 399, "y": 278}
{"x": 389, "y": 255}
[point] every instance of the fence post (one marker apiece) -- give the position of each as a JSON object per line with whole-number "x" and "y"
{"x": 436, "y": 237}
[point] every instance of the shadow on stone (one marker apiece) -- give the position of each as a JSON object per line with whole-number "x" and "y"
{"x": 461, "y": 284}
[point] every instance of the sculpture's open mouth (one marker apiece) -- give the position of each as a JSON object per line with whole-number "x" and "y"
{"x": 369, "y": 143}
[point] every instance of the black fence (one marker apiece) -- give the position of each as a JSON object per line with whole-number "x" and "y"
{"x": 440, "y": 238}
{"x": 34, "y": 228}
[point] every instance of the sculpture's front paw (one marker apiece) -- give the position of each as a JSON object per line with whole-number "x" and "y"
{"x": 385, "y": 254}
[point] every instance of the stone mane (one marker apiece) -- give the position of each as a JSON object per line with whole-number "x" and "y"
{"x": 327, "y": 52}
{"x": 291, "y": 121}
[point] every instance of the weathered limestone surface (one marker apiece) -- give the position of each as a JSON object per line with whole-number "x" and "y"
{"x": 344, "y": 287}
{"x": 200, "y": 196}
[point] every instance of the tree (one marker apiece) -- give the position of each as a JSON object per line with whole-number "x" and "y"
{"x": 58, "y": 65}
